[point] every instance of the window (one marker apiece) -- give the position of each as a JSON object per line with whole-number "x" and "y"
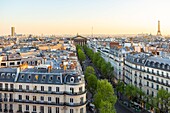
{"x": 34, "y": 108}
{"x": 20, "y": 87}
{"x": 6, "y": 86}
{"x": 42, "y": 98}
{"x": 80, "y": 89}
{"x": 29, "y": 77}
{"x": 11, "y": 86}
{"x": 81, "y": 110}
{"x": 35, "y": 88}
{"x": 19, "y": 107}
{"x": 57, "y": 100}
{"x": 49, "y": 88}
{"x": 11, "y": 107}
{"x": 11, "y": 63}
{"x": 1, "y": 85}
{"x": 81, "y": 100}
{"x": 27, "y": 97}
{"x": 51, "y": 78}
{"x": 57, "y": 89}
{"x": 49, "y": 110}
{"x": 152, "y": 93}
{"x": 58, "y": 78}
{"x": 11, "y": 96}
{"x": 57, "y": 110}
{"x": 49, "y": 99}
{"x": 71, "y": 100}
{"x": 71, "y": 90}
{"x": 71, "y": 111}
{"x": 0, "y": 95}
{"x": 22, "y": 76}
{"x": 42, "y": 88}
{"x": 157, "y": 87}
{"x": 147, "y": 92}
{"x": 20, "y": 97}
{"x": 43, "y": 78}
{"x": 27, "y": 87}
{"x": 27, "y": 107}
{"x": 34, "y": 98}
{"x": 42, "y": 109}
{"x": 6, "y": 106}
{"x": 152, "y": 85}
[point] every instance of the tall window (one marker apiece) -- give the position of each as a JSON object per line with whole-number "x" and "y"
{"x": 80, "y": 89}
{"x": 1, "y": 85}
{"x": 42, "y": 98}
{"x": 71, "y": 100}
{"x": 49, "y": 99}
{"x": 6, "y": 86}
{"x": 20, "y": 87}
{"x": 42, "y": 88}
{"x": 81, "y": 100}
{"x": 42, "y": 109}
{"x": 27, "y": 87}
{"x": 27, "y": 97}
{"x": 57, "y": 89}
{"x": 34, "y": 108}
{"x": 20, "y": 107}
{"x": 71, "y": 90}
{"x": 57, "y": 110}
{"x": 49, "y": 110}
{"x": 11, "y": 106}
{"x": 11, "y": 86}
{"x": 20, "y": 97}
{"x": 49, "y": 88}
{"x": 81, "y": 110}
{"x": 57, "y": 100}
{"x": 34, "y": 98}
{"x": 71, "y": 111}
{"x": 27, "y": 107}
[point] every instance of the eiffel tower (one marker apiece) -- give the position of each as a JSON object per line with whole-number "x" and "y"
{"x": 159, "y": 31}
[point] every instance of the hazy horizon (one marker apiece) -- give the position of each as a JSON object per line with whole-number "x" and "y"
{"x": 78, "y": 16}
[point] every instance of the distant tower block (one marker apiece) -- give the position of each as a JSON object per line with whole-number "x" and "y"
{"x": 159, "y": 31}
{"x": 12, "y": 31}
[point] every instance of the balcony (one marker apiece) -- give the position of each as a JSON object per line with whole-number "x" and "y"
{"x": 11, "y": 100}
{"x": 5, "y": 110}
{"x": 19, "y": 111}
{"x": 5, "y": 99}
{"x": 10, "y": 111}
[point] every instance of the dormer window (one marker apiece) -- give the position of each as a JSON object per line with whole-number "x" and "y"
{"x": 143, "y": 61}
{"x": 149, "y": 63}
{"x": 168, "y": 67}
{"x": 8, "y": 75}
{"x": 163, "y": 66}
{"x": 22, "y": 76}
{"x": 3, "y": 75}
{"x": 29, "y": 77}
{"x": 13, "y": 75}
{"x": 153, "y": 64}
{"x": 137, "y": 60}
{"x": 58, "y": 77}
{"x": 158, "y": 65}
{"x": 72, "y": 79}
{"x": 79, "y": 78}
{"x": 43, "y": 78}
{"x": 51, "y": 78}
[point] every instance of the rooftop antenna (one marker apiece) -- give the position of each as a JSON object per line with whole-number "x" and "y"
{"x": 92, "y": 32}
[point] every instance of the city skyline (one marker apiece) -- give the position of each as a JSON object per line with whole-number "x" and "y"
{"x": 72, "y": 17}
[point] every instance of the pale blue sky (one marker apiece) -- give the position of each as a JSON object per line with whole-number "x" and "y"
{"x": 72, "y": 16}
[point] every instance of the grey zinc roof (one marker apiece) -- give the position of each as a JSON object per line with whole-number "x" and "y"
{"x": 7, "y": 74}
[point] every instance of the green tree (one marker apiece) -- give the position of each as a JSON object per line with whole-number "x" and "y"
{"x": 96, "y": 57}
{"x": 162, "y": 99}
{"x": 131, "y": 91}
{"x": 92, "y": 84}
{"x": 104, "y": 70}
{"x": 107, "y": 107}
{"x": 81, "y": 55}
{"x": 104, "y": 92}
{"x": 120, "y": 88}
{"x": 89, "y": 70}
